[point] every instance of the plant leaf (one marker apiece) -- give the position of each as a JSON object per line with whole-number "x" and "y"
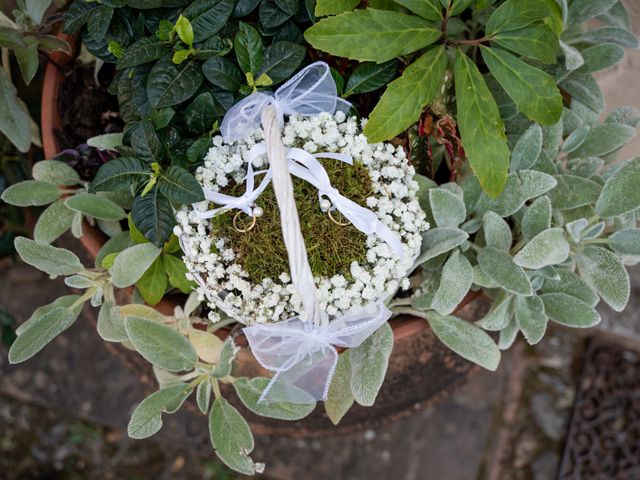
{"x": 573, "y": 192}
{"x": 334, "y": 7}
{"x": 145, "y": 50}
{"x": 534, "y": 41}
{"x": 49, "y": 259}
{"x": 53, "y": 222}
{"x": 31, "y": 193}
{"x": 369, "y": 363}
{"x": 371, "y": 35}
{"x": 621, "y": 192}
{"x": 533, "y": 91}
{"x": 340, "y": 399}
{"x": 537, "y": 217}
{"x": 549, "y": 247}
{"x": 223, "y": 73}
{"x": 437, "y": 241}
{"x": 405, "y": 98}
{"x": 514, "y": 15}
{"x": 231, "y": 437}
{"x": 447, "y": 208}
{"x": 28, "y": 59}
{"x": 481, "y": 127}
{"x": 369, "y": 76}
{"x": 131, "y": 263}
{"x": 569, "y": 311}
{"x": 147, "y": 417}
{"x": 605, "y": 272}
{"x": 455, "y": 282}
{"x": 170, "y": 84}
{"x": 531, "y": 318}
{"x": 582, "y": 10}
{"x": 160, "y": 345}
{"x": 95, "y": 206}
{"x": 119, "y": 174}
{"x": 499, "y": 266}
{"x": 281, "y": 59}
{"x": 467, "y": 340}
{"x": 497, "y": 232}
{"x": 180, "y": 186}
{"x": 604, "y": 139}
{"x": 153, "y": 216}
{"x": 249, "y": 49}
{"x": 625, "y": 242}
{"x": 206, "y": 345}
{"x": 207, "y": 17}
{"x": 152, "y": 285}
{"x": 145, "y": 142}
{"x": 249, "y": 391}
{"x": 427, "y": 9}
{"x": 527, "y": 150}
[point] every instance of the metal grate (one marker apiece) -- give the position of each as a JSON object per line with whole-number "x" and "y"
{"x": 603, "y": 442}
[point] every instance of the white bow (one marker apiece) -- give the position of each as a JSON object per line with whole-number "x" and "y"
{"x": 310, "y": 92}
{"x": 304, "y": 356}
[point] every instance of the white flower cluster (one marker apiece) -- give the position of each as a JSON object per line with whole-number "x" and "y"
{"x": 223, "y": 282}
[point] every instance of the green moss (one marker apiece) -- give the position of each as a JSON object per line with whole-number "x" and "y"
{"x": 330, "y": 248}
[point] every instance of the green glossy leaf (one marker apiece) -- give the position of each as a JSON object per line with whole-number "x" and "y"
{"x": 99, "y": 21}
{"x": 281, "y": 60}
{"x": 334, "y": 7}
{"x": 169, "y": 84}
{"x": 514, "y": 15}
{"x": 455, "y": 282}
{"x": 15, "y": 122}
{"x": 131, "y": 263}
{"x": 145, "y": 50}
{"x": 369, "y": 363}
{"x": 549, "y": 247}
{"x": 534, "y": 41}
{"x": 160, "y": 345}
{"x": 481, "y": 127}
{"x": 223, "y": 73}
{"x": 153, "y": 283}
{"x": 94, "y": 206}
{"x": 605, "y": 272}
{"x": 533, "y": 91}
{"x": 184, "y": 29}
{"x": 200, "y": 115}
{"x": 31, "y": 193}
{"x": 51, "y": 260}
{"x": 119, "y": 174}
{"x": 53, "y": 222}
{"x": 621, "y": 192}
{"x": 180, "y": 186}
{"x": 249, "y": 49}
{"x": 176, "y": 270}
{"x": 153, "y": 216}
{"x": 207, "y": 17}
{"x": 405, "y": 98}
{"x": 370, "y": 76}
{"x": 271, "y": 15}
{"x": 340, "y": 399}
{"x": 467, "y": 340}
{"x": 249, "y": 391}
{"x": 146, "y": 419}
{"x": 530, "y": 318}
{"x": 373, "y": 35}
{"x": 77, "y": 15}
{"x": 499, "y": 266}
{"x": 569, "y": 311}
{"x": 231, "y": 437}
{"x": 427, "y": 9}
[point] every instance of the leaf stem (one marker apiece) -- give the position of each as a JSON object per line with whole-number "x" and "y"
{"x": 475, "y": 41}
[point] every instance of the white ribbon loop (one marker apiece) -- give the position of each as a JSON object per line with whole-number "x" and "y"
{"x": 310, "y": 92}
{"x": 304, "y": 357}
{"x": 306, "y": 166}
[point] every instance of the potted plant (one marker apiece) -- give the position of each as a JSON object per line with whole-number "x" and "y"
{"x": 461, "y": 155}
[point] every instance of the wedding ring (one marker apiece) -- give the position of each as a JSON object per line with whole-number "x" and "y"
{"x": 243, "y": 230}
{"x": 341, "y": 224}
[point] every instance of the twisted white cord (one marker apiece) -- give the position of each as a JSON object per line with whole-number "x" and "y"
{"x": 301, "y": 275}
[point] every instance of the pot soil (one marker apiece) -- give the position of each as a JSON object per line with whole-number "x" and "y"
{"x": 421, "y": 369}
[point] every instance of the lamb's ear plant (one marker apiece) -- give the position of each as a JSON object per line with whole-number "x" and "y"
{"x": 27, "y": 36}
{"x": 549, "y": 248}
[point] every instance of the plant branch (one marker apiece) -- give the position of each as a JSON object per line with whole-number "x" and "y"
{"x": 475, "y": 41}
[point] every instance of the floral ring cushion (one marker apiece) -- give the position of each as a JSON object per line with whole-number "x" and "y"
{"x": 217, "y": 268}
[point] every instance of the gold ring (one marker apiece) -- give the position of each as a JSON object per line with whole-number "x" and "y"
{"x": 243, "y": 230}
{"x": 341, "y": 224}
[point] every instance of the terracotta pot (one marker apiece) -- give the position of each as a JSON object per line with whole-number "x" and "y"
{"x": 421, "y": 369}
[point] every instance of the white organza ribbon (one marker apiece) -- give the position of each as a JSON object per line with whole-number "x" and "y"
{"x": 310, "y": 92}
{"x": 303, "y": 356}
{"x": 307, "y": 167}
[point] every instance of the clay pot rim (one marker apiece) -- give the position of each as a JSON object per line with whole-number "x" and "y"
{"x": 404, "y": 326}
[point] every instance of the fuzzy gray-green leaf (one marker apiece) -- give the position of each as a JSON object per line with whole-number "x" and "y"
{"x": 499, "y": 265}
{"x": 549, "y": 247}
{"x": 531, "y": 318}
{"x": 369, "y": 364}
{"x": 604, "y": 271}
{"x": 147, "y": 417}
{"x": 340, "y": 399}
{"x": 49, "y": 259}
{"x": 132, "y": 263}
{"x": 231, "y": 437}
{"x": 249, "y": 391}
{"x": 497, "y": 232}
{"x": 569, "y": 311}
{"x": 537, "y": 217}
{"x": 447, "y": 208}
{"x": 440, "y": 240}
{"x": 621, "y": 192}
{"x": 457, "y": 277}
